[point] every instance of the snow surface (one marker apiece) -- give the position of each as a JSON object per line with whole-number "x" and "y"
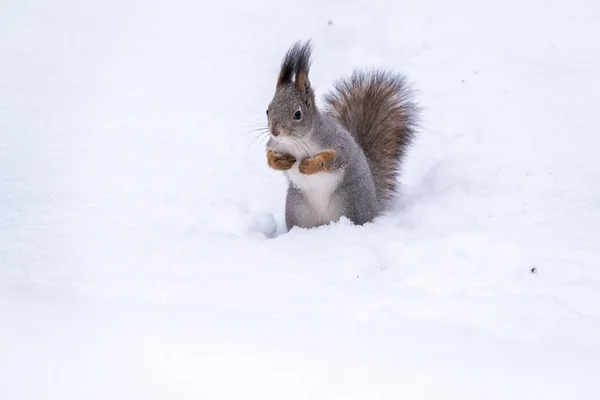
{"x": 142, "y": 250}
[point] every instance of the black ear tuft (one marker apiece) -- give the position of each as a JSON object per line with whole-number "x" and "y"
{"x": 303, "y": 67}
{"x": 288, "y": 65}
{"x": 296, "y": 61}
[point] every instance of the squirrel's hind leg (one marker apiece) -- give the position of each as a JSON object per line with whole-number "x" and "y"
{"x": 298, "y": 213}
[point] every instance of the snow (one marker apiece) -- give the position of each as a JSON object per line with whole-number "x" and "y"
{"x": 142, "y": 246}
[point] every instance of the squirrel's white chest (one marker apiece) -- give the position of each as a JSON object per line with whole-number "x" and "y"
{"x": 318, "y": 189}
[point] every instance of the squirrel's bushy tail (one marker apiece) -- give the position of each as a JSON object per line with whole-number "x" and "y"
{"x": 376, "y": 108}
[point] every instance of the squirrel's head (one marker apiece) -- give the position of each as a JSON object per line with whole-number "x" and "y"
{"x": 292, "y": 112}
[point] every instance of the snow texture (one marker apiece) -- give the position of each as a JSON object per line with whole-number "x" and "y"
{"x": 142, "y": 248}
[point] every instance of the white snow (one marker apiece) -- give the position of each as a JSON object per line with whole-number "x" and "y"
{"x": 142, "y": 250}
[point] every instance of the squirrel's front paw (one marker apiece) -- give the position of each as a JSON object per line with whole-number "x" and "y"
{"x": 279, "y": 161}
{"x": 320, "y": 163}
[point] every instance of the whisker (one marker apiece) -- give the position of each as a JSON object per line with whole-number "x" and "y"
{"x": 260, "y": 124}
{"x": 307, "y": 147}
{"x": 261, "y": 130}
{"x": 257, "y": 141}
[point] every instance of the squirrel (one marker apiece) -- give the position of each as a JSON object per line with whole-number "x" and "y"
{"x": 342, "y": 160}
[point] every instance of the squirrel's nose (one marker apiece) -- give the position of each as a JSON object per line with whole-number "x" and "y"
{"x": 275, "y": 131}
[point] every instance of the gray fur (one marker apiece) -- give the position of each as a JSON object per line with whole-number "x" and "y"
{"x": 369, "y": 123}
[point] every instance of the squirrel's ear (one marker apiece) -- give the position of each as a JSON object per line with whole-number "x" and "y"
{"x": 285, "y": 75}
{"x": 303, "y": 87}
{"x": 288, "y": 65}
{"x": 302, "y": 82}
{"x": 302, "y": 68}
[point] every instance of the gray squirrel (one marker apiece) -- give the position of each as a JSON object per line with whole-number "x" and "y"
{"x": 343, "y": 160}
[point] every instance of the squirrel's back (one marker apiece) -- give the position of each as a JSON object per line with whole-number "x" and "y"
{"x": 376, "y": 108}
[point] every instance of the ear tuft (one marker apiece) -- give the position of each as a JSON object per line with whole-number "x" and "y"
{"x": 303, "y": 67}
{"x": 296, "y": 61}
{"x": 288, "y": 65}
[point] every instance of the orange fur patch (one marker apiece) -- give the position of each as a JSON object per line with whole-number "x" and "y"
{"x": 320, "y": 163}
{"x": 301, "y": 81}
{"x": 280, "y": 162}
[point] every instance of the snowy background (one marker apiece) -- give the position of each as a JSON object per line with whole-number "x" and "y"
{"x": 141, "y": 245}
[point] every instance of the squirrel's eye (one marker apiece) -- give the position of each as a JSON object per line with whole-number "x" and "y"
{"x": 297, "y": 115}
